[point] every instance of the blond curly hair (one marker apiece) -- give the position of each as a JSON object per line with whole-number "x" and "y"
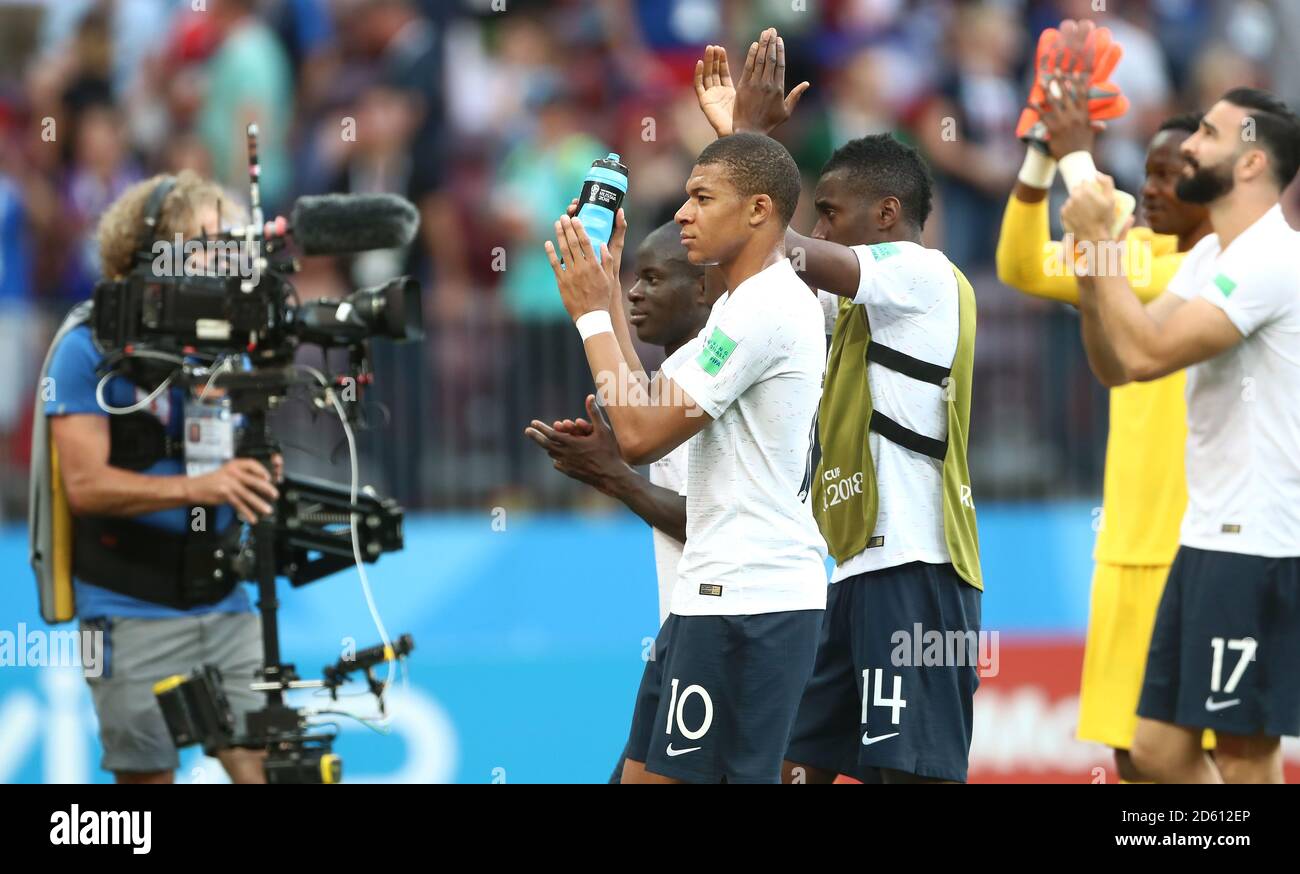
{"x": 122, "y": 230}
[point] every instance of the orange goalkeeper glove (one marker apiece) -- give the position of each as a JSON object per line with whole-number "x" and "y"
{"x": 1046, "y": 61}
{"x": 1074, "y": 48}
{"x": 1101, "y": 55}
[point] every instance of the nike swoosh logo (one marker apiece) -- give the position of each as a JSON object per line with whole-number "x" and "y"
{"x": 868, "y": 740}
{"x": 673, "y": 752}
{"x": 1212, "y": 705}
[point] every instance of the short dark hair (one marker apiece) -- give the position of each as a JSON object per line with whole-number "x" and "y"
{"x": 1189, "y": 122}
{"x": 881, "y": 166}
{"x": 756, "y": 164}
{"x": 1277, "y": 129}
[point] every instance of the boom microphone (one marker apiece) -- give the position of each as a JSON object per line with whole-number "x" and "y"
{"x": 342, "y": 224}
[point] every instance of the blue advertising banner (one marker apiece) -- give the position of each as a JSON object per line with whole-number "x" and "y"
{"x": 529, "y": 629}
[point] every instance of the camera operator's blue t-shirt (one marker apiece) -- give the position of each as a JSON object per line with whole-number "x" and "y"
{"x": 72, "y": 391}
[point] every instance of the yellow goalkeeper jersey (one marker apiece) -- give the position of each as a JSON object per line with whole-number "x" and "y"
{"x": 1145, "y": 492}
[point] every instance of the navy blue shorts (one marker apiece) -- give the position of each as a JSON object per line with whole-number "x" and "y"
{"x": 897, "y": 668}
{"x": 647, "y": 702}
{"x": 719, "y": 704}
{"x": 1225, "y": 651}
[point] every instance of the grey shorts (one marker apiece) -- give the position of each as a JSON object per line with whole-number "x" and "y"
{"x": 140, "y": 652}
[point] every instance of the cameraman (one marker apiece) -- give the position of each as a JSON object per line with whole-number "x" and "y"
{"x": 135, "y": 519}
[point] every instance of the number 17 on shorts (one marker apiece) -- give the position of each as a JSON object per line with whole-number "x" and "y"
{"x": 1246, "y": 647}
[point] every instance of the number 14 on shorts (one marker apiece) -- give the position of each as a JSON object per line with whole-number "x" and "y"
{"x": 873, "y": 696}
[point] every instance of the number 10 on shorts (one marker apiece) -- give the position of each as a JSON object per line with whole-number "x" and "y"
{"x": 676, "y": 706}
{"x": 895, "y": 702}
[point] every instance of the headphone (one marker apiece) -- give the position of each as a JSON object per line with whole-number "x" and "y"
{"x": 152, "y": 214}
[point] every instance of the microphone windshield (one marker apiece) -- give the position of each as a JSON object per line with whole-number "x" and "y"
{"x": 341, "y": 224}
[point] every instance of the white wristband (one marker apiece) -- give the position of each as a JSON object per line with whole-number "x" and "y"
{"x": 1038, "y": 171}
{"x": 593, "y": 323}
{"x": 1076, "y": 168}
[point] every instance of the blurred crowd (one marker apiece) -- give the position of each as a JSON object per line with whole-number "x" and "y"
{"x": 487, "y": 113}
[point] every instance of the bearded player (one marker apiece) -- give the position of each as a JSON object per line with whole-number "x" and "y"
{"x": 1226, "y": 638}
{"x": 1145, "y": 490}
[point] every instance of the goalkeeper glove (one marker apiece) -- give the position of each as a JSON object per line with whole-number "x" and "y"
{"x": 1057, "y": 54}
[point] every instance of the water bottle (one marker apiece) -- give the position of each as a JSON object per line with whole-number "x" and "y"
{"x": 602, "y": 195}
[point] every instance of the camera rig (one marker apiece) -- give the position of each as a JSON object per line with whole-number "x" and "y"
{"x": 165, "y": 327}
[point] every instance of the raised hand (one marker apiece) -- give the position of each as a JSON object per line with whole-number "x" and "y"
{"x": 1075, "y": 55}
{"x": 616, "y": 239}
{"x": 1077, "y": 52}
{"x": 713, "y": 89}
{"x": 1089, "y": 213}
{"x": 761, "y": 102}
{"x": 1064, "y": 113}
{"x": 585, "y": 284}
